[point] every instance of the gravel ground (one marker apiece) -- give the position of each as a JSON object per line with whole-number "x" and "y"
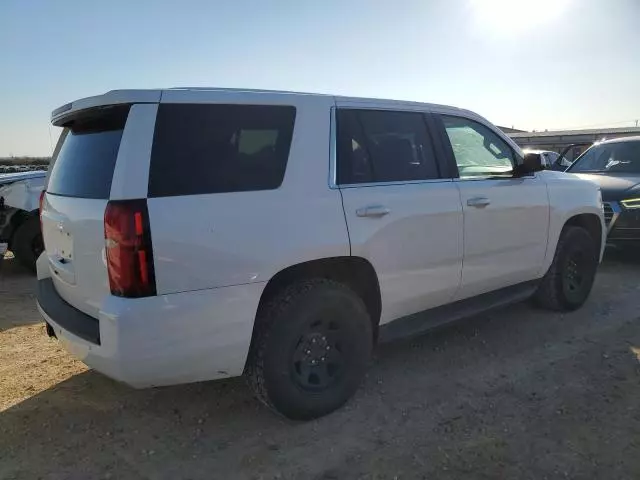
{"x": 518, "y": 393}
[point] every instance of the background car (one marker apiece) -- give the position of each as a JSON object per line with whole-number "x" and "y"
{"x": 615, "y": 166}
{"x": 546, "y": 157}
{"x": 19, "y": 222}
{"x": 549, "y": 159}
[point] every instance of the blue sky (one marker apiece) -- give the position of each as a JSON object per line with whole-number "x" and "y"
{"x": 534, "y": 64}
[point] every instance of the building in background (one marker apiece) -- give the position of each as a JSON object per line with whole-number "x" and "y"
{"x": 558, "y": 140}
{"x": 508, "y": 130}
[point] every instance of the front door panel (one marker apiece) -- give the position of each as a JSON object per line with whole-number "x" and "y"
{"x": 506, "y": 216}
{"x": 506, "y": 224}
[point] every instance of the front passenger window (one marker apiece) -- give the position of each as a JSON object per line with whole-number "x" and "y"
{"x": 478, "y": 151}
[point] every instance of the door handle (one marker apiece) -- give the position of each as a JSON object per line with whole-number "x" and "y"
{"x": 373, "y": 211}
{"x": 478, "y": 202}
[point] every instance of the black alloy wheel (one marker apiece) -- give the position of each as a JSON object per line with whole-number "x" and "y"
{"x": 311, "y": 346}
{"x": 317, "y": 361}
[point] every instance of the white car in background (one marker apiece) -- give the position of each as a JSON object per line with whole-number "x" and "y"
{"x": 549, "y": 159}
{"x": 19, "y": 223}
{"x": 196, "y": 234}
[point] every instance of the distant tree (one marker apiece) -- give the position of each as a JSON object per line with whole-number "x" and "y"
{"x": 40, "y": 161}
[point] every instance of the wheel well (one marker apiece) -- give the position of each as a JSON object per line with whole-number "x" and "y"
{"x": 591, "y": 223}
{"x": 355, "y": 272}
{"x": 17, "y": 218}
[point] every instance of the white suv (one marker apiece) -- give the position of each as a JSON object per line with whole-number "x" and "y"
{"x": 196, "y": 234}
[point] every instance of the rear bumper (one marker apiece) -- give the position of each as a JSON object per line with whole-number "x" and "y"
{"x": 71, "y": 319}
{"x": 164, "y": 340}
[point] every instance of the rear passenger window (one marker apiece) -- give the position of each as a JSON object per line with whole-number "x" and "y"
{"x": 206, "y": 148}
{"x": 383, "y": 146}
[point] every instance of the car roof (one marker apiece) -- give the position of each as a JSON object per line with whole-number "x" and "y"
{"x": 115, "y": 97}
{"x": 18, "y": 176}
{"x": 635, "y": 138}
{"x": 337, "y": 98}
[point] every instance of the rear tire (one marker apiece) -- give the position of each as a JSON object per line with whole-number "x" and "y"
{"x": 568, "y": 283}
{"x": 27, "y": 244}
{"x": 312, "y": 345}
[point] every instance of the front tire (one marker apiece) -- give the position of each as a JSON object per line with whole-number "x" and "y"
{"x": 311, "y": 348}
{"x": 569, "y": 281}
{"x": 27, "y": 244}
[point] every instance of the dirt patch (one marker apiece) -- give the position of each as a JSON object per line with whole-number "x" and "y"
{"x": 519, "y": 393}
{"x": 29, "y": 362}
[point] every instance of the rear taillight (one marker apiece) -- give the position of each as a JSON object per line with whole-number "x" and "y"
{"x": 128, "y": 247}
{"x": 40, "y": 203}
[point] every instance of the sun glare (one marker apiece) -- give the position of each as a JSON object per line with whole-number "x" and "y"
{"x": 511, "y": 16}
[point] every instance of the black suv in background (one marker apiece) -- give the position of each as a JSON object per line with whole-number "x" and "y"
{"x": 615, "y": 166}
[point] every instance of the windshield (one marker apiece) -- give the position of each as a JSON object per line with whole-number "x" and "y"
{"x": 614, "y": 157}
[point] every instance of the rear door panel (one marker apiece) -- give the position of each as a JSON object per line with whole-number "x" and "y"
{"x": 402, "y": 215}
{"x": 416, "y": 249}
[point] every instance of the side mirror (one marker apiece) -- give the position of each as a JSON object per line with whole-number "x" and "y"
{"x": 531, "y": 163}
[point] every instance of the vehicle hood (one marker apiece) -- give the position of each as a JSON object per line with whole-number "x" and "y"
{"x": 615, "y": 186}
{"x": 6, "y": 178}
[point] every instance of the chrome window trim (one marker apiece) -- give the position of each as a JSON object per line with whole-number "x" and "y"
{"x": 333, "y": 181}
{"x": 494, "y": 177}
{"x": 388, "y": 184}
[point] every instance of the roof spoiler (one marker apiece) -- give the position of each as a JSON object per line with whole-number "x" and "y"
{"x": 114, "y": 97}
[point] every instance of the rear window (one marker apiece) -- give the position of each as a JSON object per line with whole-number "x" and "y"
{"x": 87, "y": 153}
{"x": 202, "y": 148}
